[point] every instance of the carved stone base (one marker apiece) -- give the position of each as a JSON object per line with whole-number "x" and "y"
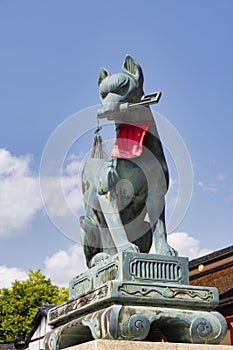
{"x": 126, "y": 266}
{"x": 140, "y": 323}
{"x": 135, "y": 299}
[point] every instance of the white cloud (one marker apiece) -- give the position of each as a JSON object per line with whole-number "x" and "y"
{"x": 19, "y": 192}
{"x": 221, "y": 177}
{"x": 210, "y": 188}
{"x": 64, "y": 193}
{"x": 62, "y": 266}
{"x": 9, "y": 275}
{"x": 13, "y": 166}
{"x": 213, "y": 186}
{"x": 20, "y": 197}
{"x": 187, "y": 245}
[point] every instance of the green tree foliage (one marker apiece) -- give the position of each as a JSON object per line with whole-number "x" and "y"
{"x": 19, "y": 304}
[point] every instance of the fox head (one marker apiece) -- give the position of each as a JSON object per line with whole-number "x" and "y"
{"x": 126, "y": 86}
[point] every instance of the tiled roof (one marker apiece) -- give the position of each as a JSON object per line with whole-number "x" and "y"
{"x": 228, "y": 251}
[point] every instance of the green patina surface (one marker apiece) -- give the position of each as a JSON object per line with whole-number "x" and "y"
{"x": 127, "y": 294}
{"x": 131, "y": 184}
{"x": 135, "y": 296}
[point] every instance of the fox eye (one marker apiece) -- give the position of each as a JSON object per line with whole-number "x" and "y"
{"x": 121, "y": 90}
{"x": 103, "y": 94}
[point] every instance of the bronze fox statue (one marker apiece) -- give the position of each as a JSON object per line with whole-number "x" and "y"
{"x": 124, "y": 190}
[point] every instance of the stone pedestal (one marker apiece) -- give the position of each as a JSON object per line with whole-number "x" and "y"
{"x": 136, "y": 297}
{"x": 134, "y": 345}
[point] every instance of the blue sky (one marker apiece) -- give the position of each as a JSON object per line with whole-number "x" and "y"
{"x": 51, "y": 54}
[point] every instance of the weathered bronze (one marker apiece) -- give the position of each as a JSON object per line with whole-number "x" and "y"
{"x": 121, "y": 190}
{"x": 135, "y": 296}
{"x": 128, "y": 294}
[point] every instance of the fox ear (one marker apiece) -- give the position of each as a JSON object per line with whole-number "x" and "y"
{"x": 104, "y": 73}
{"x": 130, "y": 66}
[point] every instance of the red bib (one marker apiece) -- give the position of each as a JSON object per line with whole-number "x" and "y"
{"x": 129, "y": 142}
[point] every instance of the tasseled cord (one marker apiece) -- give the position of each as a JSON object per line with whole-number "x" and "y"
{"x": 97, "y": 148}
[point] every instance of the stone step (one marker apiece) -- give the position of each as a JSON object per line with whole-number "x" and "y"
{"x": 135, "y": 345}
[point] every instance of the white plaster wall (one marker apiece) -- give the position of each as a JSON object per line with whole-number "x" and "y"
{"x": 40, "y": 332}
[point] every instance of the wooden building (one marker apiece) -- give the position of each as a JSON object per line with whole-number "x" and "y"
{"x": 40, "y": 327}
{"x": 216, "y": 270}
